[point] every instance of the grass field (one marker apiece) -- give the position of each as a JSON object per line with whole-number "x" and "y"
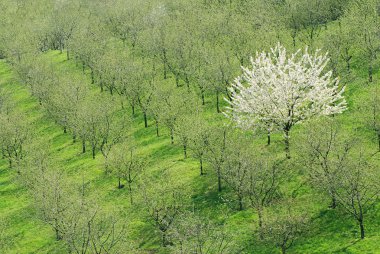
{"x": 331, "y": 231}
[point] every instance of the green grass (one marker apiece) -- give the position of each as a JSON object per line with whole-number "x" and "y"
{"x": 331, "y": 231}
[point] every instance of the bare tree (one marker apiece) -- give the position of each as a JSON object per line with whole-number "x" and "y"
{"x": 196, "y": 234}
{"x": 325, "y": 154}
{"x": 126, "y": 164}
{"x": 163, "y": 203}
{"x": 358, "y": 189}
{"x": 284, "y": 226}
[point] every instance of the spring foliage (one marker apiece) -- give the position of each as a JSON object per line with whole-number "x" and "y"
{"x": 282, "y": 89}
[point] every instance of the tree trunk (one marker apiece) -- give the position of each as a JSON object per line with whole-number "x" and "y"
{"x": 203, "y": 98}
{"x": 370, "y": 72}
{"x": 333, "y": 200}
{"x": 163, "y": 238}
{"x": 93, "y": 152}
{"x": 362, "y": 232}
{"x": 68, "y": 54}
{"x": 286, "y": 136}
{"x": 185, "y": 151}
{"x": 157, "y": 132}
{"x": 57, "y": 236}
{"x": 217, "y": 102}
{"x": 378, "y": 139}
{"x": 268, "y": 135}
{"x": 145, "y": 120}
{"x": 130, "y": 192}
{"x": 64, "y": 129}
{"x": 171, "y": 136}
{"x": 83, "y": 146}
{"x": 240, "y": 202}
{"x": 133, "y": 110}
{"x": 283, "y": 249}
{"x": 201, "y": 165}
{"x": 260, "y": 217}
{"x": 119, "y": 186}
{"x": 219, "y": 180}
{"x": 92, "y": 76}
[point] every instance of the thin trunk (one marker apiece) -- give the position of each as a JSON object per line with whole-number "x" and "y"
{"x": 268, "y": 135}
{"x": 240, "y": 197}
{"x": 201, "y": 165}
{"x": 185, "y": 151}
{"x": 203, "y": 98}
{"x": 260, "y": 217}
{"x": 133, "y": 110}
{"x": 145, "y": 120}
{"x": 119, "y": 186}
{"x": 172, "y": 136}
{"x": 68, "y": 54}
{"x": 378, "y": 139}
{"x": 93, "y": 152}
{"x": 333, "y": 200}
{"x": 362, "y": 232}
{"x": 283, "y": 249}
{"x": 64, "y": 129}
{"x": 287, "y": 150}
{"x": 157, "y": 131}
{"x": 92, "y": 76}
{"x": 83, "y": 146}
{"x": 370, "y": 72}
{"x": 57, "y": 236}
{"x": 163, "y": 239}
{"x": 217, "y": 102}
{"x": 219, "y": 180}
{"x": 130, "y": 192}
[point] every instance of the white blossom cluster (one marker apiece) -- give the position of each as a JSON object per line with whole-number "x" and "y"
{"x": 281, "y": 90}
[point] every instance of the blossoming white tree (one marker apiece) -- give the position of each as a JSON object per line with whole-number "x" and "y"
{"x": 281, "y": 90}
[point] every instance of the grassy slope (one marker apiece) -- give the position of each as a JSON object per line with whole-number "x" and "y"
{"x": 331, "y": 231}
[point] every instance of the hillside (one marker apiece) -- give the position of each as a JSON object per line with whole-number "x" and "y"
{"x": 116, "y": 141}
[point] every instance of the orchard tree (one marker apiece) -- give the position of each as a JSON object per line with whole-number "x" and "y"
{"x": 325, "y": 154}
{"x": 15, "y": 133}
{"x": 169, "y": 105}
{"x": 362, "y": 17}
{"x": 216, "y": 151}
{"x": 284, "y": 225}
{"x": 163, "y": 203}
{"x": 358, "y": 190}
{"x": 237, "y": 165}
{"x": 93, "y": 230}
{"x": 263, "y": 184}
{"x": 52, "y": 194}
{"x": 64, "y": 19}
{"x": 126, "y": 164}
{"x": 63, "y": 102}
{"x": 184, "y": 125}
{"x": 199, "y": 140}
{"x": 370, "y": 112}
{"x": 284, "y": 90}
{"x": 340, "y": 45}
{"x": 196, "y": 234}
